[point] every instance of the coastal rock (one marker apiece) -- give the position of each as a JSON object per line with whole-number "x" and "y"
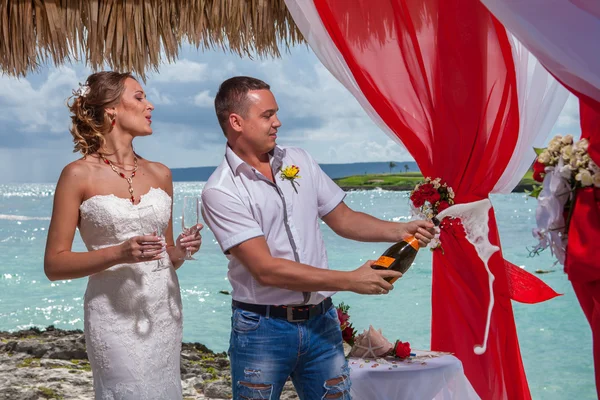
{"x": 25, "y": 377}
{"x": 220, "y": 389}
{"x": 192, "y": 386}
{"x": 53, "y": 364}
{"x": 19, "y": 394}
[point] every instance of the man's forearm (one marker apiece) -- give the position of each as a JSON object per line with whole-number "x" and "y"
{"x": 365, "y": 228}
{"x": 291, "y": 275}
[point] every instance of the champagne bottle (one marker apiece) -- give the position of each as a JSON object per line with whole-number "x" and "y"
{"x": 399, "y": 257}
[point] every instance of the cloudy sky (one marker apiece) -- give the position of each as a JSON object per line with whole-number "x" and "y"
{"x": 317, "y": 113}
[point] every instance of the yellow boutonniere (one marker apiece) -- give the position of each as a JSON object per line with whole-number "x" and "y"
{"x": 290, "y": 173}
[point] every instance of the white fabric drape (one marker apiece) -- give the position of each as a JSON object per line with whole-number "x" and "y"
{"x": 541, "y": 99}
{"x": 562, "y": 34}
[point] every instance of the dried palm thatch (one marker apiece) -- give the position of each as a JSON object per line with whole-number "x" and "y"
{"x": 136, "y": 35}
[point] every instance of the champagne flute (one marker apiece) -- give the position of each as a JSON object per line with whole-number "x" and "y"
{"x": 189, "y": 220}
{"x": 150, "y": 225}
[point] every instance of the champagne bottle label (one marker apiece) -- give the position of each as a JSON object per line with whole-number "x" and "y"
{"x": 384, "y": 261}
{"x": 413, "y": 242}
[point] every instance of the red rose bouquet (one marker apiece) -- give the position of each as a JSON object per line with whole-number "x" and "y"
{"x": 431, "y": 197}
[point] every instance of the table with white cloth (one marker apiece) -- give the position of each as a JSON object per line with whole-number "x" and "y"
{"x": 427, "y": 375}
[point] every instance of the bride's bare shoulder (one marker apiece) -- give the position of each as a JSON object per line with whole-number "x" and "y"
{"x": 161, "y": 174}
{"x": 158, "y": 169}
{"x": 79, "y": 170}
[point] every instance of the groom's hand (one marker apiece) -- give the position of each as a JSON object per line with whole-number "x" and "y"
{"x": 423, "y": 231}
{"x": 366, "y": 280}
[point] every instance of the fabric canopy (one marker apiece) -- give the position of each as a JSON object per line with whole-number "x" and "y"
{"x": 562, "y": 34}
{"x": 439, "y": 77}
{"x": 541, "y": 99}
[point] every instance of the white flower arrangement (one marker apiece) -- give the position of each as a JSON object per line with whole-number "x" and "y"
{"x": 572, "y": 159}
{"x": 562, "y": 167}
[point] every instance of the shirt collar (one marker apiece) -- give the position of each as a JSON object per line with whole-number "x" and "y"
{"x": 275, "y": 158}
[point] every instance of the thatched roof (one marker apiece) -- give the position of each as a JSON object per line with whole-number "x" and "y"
{"x": 136, "y": 35}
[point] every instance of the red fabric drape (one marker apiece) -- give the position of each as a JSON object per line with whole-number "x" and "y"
{"x": 440, "y": 74}
{"x": 588, "y": 294}
{"x": 589, "y": 112}
{"x": 583, "y": 253}
{"x": 581, "y": 263}
{"x": 460, "y": 300}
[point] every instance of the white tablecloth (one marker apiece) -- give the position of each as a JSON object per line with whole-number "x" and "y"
{"x": 429, "y": 375}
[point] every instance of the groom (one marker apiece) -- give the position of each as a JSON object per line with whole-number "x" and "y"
{"x": 263, "y": 204}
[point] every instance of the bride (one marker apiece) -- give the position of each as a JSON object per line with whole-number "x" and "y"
{"x": 133, "y": 320}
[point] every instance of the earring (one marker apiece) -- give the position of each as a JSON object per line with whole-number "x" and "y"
{"x": 113, "y": 119}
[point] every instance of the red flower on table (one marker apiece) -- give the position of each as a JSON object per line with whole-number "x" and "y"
{"x": 402, "y": 349}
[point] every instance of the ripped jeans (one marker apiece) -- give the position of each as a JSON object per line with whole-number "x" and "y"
{"x": 264, "y": 352}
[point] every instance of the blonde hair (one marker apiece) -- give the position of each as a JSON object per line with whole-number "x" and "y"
{"x": 89, "y": 120}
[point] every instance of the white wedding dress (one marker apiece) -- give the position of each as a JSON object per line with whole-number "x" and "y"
{"x": 133, "y": 320}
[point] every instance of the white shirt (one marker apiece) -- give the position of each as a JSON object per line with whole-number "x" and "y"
{"x": 239, "y": 203}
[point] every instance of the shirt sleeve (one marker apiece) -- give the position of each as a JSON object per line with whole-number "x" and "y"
{"x": 230, "y": 221}
{"x": 329, "y": 194}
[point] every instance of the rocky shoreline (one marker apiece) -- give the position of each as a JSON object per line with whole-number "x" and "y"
{"x": 53, "y": 364}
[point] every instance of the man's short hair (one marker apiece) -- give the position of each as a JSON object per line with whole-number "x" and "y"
{"x": 232, "y": 97}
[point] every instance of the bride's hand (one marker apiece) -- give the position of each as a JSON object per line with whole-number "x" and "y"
{"x": 191, "y": 241}
{"x": 141, "y": 248}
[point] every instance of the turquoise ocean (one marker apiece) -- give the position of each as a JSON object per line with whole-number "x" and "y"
{"x": 554, "y": 336}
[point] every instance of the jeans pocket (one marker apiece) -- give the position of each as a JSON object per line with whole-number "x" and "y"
{"x": 245, "y": 321}
{"x": 333, "y": 315}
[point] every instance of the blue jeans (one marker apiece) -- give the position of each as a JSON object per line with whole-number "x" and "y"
{"x": 264, "y": 352}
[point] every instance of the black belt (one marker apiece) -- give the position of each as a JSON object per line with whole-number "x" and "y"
{"x": 291, "y": 313}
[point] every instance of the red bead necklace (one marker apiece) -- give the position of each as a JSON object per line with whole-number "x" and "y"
{"x": 122, "y": 175}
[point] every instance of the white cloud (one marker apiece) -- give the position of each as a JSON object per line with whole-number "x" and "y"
{"x": 203, "y": 99}
{"x": 40, "y": 109}
{"x": 158, "y": 98}
{"x": 182, "y": 71}
{"x": 569, "y": 117}
{"x": 343, "y": 131}
{"x": 222, "y": 72}
{"x": 180, "y": 145}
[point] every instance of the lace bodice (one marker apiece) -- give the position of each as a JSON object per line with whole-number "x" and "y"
{"x": 107, "y": 220}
